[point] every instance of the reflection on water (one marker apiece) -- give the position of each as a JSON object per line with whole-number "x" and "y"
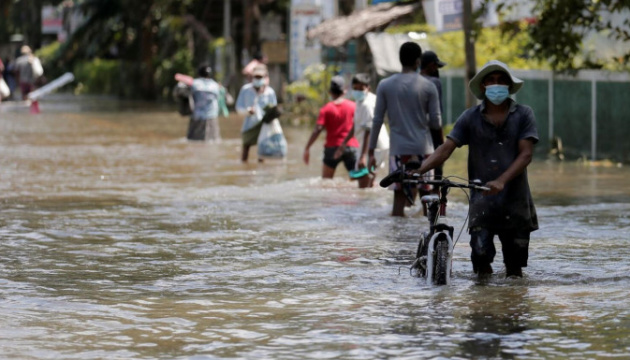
{"x": 120, "y": 239}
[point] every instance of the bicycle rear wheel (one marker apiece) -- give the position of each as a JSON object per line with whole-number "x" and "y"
{"x": 441, "y": 259}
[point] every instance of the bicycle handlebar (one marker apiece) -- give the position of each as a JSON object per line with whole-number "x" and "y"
{"x": 415, "y": 178}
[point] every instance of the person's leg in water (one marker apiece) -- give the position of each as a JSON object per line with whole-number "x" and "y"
{"x": 515, "y": 248}
{"x": 245, "y": 153}
{"x": 330, "y": 163}
{"x": 483, "y": 251}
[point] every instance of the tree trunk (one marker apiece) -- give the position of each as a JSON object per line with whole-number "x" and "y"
{"x": 469, "y": 47}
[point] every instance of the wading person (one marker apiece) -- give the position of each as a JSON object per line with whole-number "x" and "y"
{"x": 336, "y": 118}
{"x": 412, "y": 106}
{"x": 365, "y": 101}
{"x": 500, "y": 135}
{"x": 204, "y": 94}
{"x": 430, "y": 66}
{"x": 252, "y": 99}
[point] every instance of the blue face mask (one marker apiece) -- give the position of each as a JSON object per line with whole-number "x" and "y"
{"x": 358, "y": 95}
{"x": 497, "y": 93}
{"x": 258, "y": 82}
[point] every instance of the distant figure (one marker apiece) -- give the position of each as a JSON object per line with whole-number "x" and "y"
{"x": 364, "y": 113}
{"x": 336, "y": 117}
{"x": 204, "y": 95}
{"x": 248, "y": 70}
{"x": 9, "y": 75}
{"x": 413, "y": 109}
{"x": 252, "y": 100}
{"x": 500, "y": 135}
{"x": 430, "y": 66}
{"x": 28, "y": 69}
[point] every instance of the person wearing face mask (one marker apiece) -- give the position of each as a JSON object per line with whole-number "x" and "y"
{"x": 413, "y": 109}
{"x": 336, "y": 118}
{"x": 365, "y": 101}
{"x": 500, "y": 135}
{"x": 252, "y": 100}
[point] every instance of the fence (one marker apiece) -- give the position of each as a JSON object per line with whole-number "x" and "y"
{"x": 589, "y": 112}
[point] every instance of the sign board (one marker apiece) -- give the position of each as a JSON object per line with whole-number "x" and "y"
{"x": 447, "y": 15}
{"x": 306, "y": 14}
{"x": 275, "y": 51}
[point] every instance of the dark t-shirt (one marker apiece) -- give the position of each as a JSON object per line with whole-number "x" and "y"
{"x": 491, "y": 151}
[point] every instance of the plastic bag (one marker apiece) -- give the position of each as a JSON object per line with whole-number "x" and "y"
{"x": 271, "y": 141}
{"x": 38, "y": 70}
{"x": 4, "y": 89}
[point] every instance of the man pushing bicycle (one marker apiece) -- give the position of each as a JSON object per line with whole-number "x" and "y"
{"x": 500, "y": 135}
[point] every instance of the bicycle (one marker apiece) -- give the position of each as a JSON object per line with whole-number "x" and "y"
{"x": 435, "y": 249}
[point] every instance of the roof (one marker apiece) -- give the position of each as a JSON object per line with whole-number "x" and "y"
{"x": 337, "y": 31}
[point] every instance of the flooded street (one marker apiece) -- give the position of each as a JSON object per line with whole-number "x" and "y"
{"x": 122, "y": 240}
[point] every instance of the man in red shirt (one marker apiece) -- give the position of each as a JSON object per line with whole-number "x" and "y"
{"x": 337, "y": 118}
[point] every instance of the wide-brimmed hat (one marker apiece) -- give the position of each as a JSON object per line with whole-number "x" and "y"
{"x": 260, "y": 70}
{"x": 491, "y": 66}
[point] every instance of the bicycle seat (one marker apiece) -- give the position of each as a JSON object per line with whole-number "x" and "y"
{"x": 428, "y": 199}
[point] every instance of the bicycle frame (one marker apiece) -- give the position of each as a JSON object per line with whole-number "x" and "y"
{"x": 438, "y": 232}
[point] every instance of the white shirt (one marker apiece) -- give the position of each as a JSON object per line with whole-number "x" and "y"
{"x": 363, "y": 115}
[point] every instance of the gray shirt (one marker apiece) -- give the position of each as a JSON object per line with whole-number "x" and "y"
{"x": 412, "y": 106}
{"x": 491, "y": 151}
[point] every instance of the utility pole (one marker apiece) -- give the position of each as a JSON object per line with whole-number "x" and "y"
{"x": 228, "y": 65}
{"x": 469, "y": 48}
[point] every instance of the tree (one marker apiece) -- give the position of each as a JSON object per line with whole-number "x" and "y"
{"x": 561, "y": 26}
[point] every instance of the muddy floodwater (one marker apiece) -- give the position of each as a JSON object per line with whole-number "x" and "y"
{"x": 119, "y": 239}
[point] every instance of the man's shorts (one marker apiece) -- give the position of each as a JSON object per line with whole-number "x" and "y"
{"x": 349, "y": 157}
{"x": 396, "y": 162}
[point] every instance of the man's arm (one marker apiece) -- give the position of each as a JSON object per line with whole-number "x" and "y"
{"x": 342, "y": 147}
{"x": 377, "y": 123}
{"x": 525, "y": 153}
{"x": 318, "y": 129}
{"x": 438, "y": 158}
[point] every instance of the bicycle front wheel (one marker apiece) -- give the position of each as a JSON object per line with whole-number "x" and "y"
{"x": 441, "y": 260}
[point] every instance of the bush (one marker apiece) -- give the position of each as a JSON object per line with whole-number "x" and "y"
{"x": 306, "y": 96}
{"x": 98, "y": 76}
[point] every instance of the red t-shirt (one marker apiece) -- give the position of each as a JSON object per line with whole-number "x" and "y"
{"x": 337, "y": 119}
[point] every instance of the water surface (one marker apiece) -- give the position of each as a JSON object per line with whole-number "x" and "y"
{"x": 122, "y": 240}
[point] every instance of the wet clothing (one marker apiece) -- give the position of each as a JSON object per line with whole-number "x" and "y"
{"x": 204, "y": 123}
{"x": 491, "y": 151}
{"x": 205, "y": 95}
{"x": 337, "y": 118}
{"x": 514, "y": 245}
{"x": 204, "y": 129}
{"x": 412, "y": 106}
{"x": 349, "y": 157}
{"x": 248, "y": 96}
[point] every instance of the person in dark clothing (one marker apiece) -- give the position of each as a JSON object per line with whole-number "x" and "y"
{"x": 430, "y": 66}
{"x": 500, "y": 135}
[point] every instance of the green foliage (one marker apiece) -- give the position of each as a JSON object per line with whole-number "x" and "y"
{"x": 563, "y": 28}
{"x": 98, "y": 76}
{"x": 308, "y": 95}
{"x": 491, "y": 43}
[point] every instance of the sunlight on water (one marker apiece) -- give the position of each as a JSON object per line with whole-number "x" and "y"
{"x": 123, "y": 240}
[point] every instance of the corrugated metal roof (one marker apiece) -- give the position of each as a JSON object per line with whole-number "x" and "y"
{"x": 337, "y": 31}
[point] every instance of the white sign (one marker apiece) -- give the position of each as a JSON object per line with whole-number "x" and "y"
{"x": 447, "y": 15}
{"x": 306, "y": 14}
